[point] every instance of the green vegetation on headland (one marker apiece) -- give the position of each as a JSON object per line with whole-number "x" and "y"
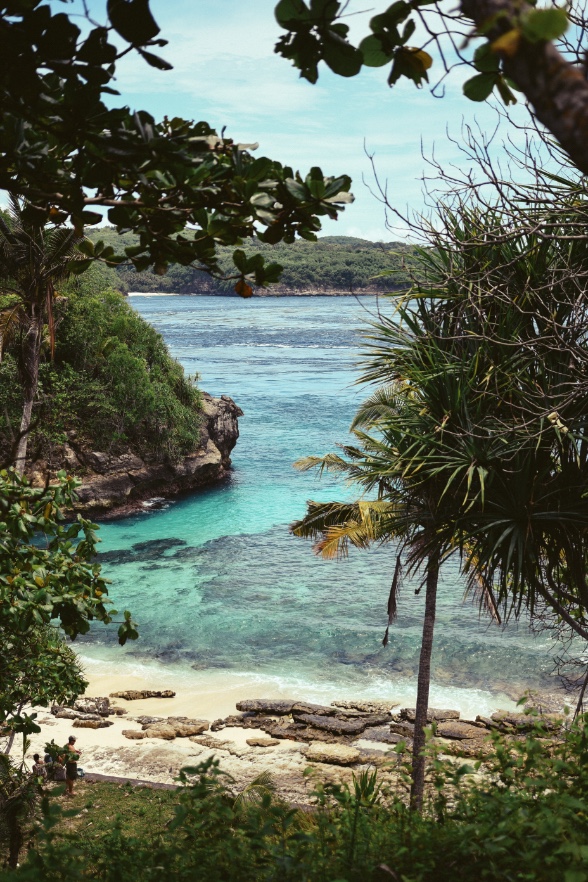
{"x": 332, "y": 264}
{"x": 521, "y": 815}
{"x": 112, "y": 385}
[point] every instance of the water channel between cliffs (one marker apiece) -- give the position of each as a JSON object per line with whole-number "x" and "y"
{"x": 224, "y": 594}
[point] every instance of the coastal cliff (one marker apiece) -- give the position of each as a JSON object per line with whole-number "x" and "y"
{"x": 118, "y": 484}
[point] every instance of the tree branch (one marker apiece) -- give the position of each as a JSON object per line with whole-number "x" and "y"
{"x": 556, "y": 89}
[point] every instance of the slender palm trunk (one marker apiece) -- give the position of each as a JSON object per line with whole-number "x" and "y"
{"x": 424, "y": 680}
{"x": 15, "y": 836}
{"x": 31, "y": 356}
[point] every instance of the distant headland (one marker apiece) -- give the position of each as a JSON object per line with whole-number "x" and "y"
{"x": 333, "y": 265}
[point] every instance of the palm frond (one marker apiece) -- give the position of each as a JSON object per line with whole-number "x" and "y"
{"x": 263, "y": 785}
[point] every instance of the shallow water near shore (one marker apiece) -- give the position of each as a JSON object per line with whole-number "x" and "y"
{"x": 222, "y": 592}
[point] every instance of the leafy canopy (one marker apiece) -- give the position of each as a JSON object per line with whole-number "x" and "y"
{"x": 46, "y": 575}
{"x": 519, "y": 46}
{"x": 178, "y": 184}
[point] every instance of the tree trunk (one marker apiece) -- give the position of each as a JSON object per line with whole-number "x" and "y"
{"x": 556, "y": 88}
{"x": 15, "y": 837}
{"x": 29, "y": 370}
{"x": 422, "y": 702}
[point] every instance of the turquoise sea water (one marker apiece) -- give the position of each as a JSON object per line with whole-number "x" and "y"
{"x": 215, "y": 580}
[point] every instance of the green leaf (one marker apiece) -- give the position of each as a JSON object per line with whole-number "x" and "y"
{"x": 343, "y": 58}
{"x": 155, "y": 60}
{"x": 134, "y": 250}
{"x": 395, "y": 13}
{"x": 410, "y": 63}
{"x": 296, "y": 189}
{"x": 479, "y": 87}
{"x": 91, "y": 217}
{"x": 485, "y": 60}
{"x": 77, "y": 267}
{"x": 86, "y": 246}
{"x": 544, "y": 24}
{"x": 97, "y": 49}
{"x": 289, "y": 12}
{"x": 326, "y": 9}
{"x": 505, "y": 92}
{"x": 240, "y": 260}
{"x": 132, "y": 19}
{"x": 373, "y": 52}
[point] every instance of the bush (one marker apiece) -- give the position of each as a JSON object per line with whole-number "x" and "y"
{"x": 523, "y": 817}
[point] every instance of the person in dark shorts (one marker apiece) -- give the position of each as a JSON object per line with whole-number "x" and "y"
{"x": 71, "y": 756}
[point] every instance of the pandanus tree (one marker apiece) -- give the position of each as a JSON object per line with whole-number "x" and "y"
{"x": 474, "y": 442}
{"x": 394, "y": 433}
{"x": 34, "y": 259}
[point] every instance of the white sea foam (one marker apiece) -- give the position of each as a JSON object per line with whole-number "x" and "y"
{"x": 256, "y": 684}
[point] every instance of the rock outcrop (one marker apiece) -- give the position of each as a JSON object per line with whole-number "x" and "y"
{"x": 167, "y": 729}
{"x": 113, "y": 484}
{"x": 338, "y": 754}
{"x": 137, "y": 694}
{"x": 86, "y": 710}
{"x": 300, "y": 744}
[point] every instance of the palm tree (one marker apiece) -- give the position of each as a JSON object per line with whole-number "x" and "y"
{"x": 33, "y": 260}
{"x": 410, "y": 510}
{"x": 476, "y": 443}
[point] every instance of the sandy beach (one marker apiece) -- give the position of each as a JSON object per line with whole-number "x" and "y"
{"x": 108, "y": 752}
{"x": 211, "y": 696}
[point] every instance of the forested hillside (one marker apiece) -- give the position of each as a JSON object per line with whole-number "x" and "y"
{"x": 333, "y": 264}
{"x": 112, "y": 384}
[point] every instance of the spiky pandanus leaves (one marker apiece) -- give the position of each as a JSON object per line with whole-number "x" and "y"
{"x": 475, "y": 442}
{"x": 498, "y": 358}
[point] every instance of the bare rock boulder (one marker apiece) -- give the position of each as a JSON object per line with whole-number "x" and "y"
{"x": 320, "y": 710}
{"x": 88, "y": 705}
{"x": 335, "y": 754}
{"x": 186, "y": 728}
{"x": 404, "y": 729}
{"x": 92, "y": 724}
{"x": 382, "y": 735}
{"x": 525, "y": 722}
{"x": 433, "y": 715}
{"x": 68, "y": 713}
{"x": 209, "y": 741}
{"x": 367, "y": 707}
{"x": 458, "y": 731}
{"x": 160, "y": 730}
{"x": 276, "y": 707}
{"x": 260, "y": 741}
{"x": 134, "y": 734}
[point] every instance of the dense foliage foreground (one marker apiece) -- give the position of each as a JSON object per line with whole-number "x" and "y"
{"x": 523, "y": 815}
{"x": 111, "y": 384}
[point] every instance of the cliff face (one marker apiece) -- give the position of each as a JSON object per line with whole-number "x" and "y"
{"x": 118, "y": 484}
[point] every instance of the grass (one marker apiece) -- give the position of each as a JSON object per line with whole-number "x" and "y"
{"x": 142, "y": 811}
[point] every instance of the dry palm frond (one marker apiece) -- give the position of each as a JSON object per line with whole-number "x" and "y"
{"x": 393, "y": 597}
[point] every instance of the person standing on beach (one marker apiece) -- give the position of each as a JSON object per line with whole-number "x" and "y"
{"x": 72, "y": 754}
{"x": 39, "y": 770}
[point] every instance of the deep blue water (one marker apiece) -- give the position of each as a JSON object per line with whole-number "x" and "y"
{"x": 233, "y": 591}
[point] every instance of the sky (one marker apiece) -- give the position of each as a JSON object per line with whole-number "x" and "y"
{"x": 226, "y": 72}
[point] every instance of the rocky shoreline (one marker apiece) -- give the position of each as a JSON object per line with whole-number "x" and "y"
{"x": 115, "y": 486}
{"x": 285, "y": 737}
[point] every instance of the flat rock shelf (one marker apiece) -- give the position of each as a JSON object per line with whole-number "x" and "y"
{"x": 300, "y": 744}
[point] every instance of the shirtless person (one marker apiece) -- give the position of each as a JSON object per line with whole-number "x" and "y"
{"x": 72, "y": 754}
